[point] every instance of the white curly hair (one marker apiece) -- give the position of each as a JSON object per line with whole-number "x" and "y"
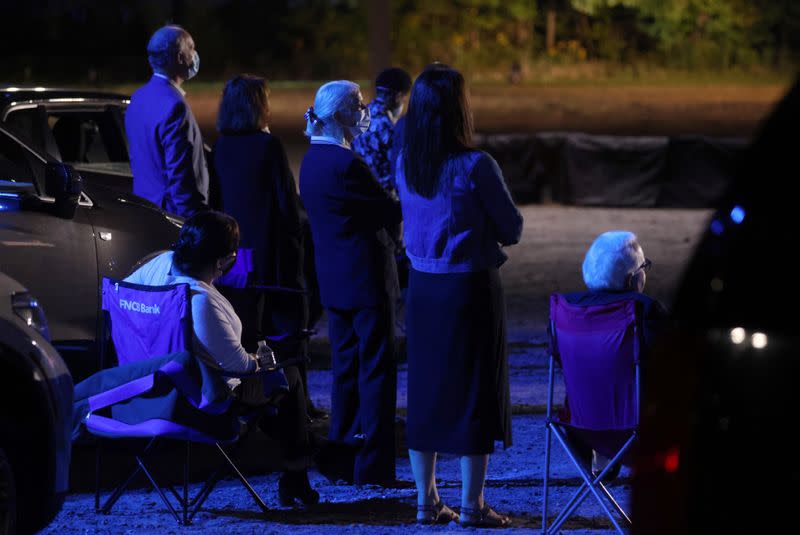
{"x": 611, "y": 258}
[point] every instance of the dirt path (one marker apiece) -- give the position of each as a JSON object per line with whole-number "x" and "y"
{"x": 717, "y": 110}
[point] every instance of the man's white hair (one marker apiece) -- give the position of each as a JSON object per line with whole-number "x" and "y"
{"x": 332, "y": 97}
{"x": 611, "y": 258}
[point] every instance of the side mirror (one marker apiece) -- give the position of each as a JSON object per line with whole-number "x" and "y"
{"x": 63, "y": 183}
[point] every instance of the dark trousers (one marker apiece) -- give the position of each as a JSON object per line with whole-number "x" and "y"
{"x": 364, "y": 394}
{"x": 288, "y": 426}
{"x": 270, "y": 313}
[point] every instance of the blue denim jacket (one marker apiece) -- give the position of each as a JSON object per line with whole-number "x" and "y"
{"x": 462, "y": 228}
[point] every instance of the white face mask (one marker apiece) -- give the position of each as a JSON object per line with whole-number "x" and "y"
{"x": 362, "y": 124}
{"x": 194, "y": 67}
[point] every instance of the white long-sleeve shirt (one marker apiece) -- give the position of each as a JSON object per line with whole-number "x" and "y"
{"x": 217, "y": 328}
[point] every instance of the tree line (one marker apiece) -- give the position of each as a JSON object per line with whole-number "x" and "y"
{"x": 100, "y": 42}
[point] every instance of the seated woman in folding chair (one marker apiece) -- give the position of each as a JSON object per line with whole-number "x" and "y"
{"x": 205, "y": 250}
{"x": 615, "y": 269}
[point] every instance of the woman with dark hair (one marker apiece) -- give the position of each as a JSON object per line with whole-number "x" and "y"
{"x": 457, "y": 213}
{"x": 206, "y": 249}
{"x": 258, "y": 189}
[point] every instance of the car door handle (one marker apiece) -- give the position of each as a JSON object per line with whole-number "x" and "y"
{"x": 105, "y": 236}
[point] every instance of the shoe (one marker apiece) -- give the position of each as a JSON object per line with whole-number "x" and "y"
{"x": 294, "y": 486}
{"x": 486, "y": 517}
{"x": 437, "y": 513}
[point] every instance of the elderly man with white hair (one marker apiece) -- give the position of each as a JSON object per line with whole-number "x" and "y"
{"x": 350, "y": 215}
{"x": 166, "y": 147}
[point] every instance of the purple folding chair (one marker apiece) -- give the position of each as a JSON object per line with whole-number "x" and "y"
{"x": 597, "y": 348}
{"x": 142, "y": 323}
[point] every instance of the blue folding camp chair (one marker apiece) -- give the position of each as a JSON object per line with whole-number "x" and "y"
{"x": 598, "y": 349}
{"x": 159, "y": 390}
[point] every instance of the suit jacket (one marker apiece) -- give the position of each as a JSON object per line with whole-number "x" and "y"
{"x": 259, "y": 191}
{"x": 349, "y": 214}
{"x": 166, "y": 149}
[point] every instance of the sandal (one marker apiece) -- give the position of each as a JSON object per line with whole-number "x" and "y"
{"x": 437, "y": 513}
{"x": 486, "y": 517}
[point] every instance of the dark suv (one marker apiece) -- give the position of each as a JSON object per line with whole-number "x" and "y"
{"x": 60, "y": 231}
{"x": 36, "y": 415}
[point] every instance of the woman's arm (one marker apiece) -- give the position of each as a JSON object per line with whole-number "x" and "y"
{"x": 217, "y": 336}
{"x": 368, "y": 199}
{"x": 496, "y": 200}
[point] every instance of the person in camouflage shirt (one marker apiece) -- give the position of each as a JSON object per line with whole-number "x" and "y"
{"x": 391, "y": 90}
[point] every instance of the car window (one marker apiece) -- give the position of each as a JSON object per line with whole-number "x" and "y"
{"x": 91, "y": 136}
{"x": 14, "y": 164}
{"x": 23, "y": 122}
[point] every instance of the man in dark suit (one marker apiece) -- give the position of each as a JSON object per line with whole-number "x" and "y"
{"x": 166, "y": 147}
{"x": 349, "y": 214}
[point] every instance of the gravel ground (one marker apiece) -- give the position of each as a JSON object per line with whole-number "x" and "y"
{"x": 554, "y": 241}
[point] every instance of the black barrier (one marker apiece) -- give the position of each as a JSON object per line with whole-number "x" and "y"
{"x": 699, "y": 170}
{"x": 612, "y": 171}
{"x": 588, "y": 170}
{"x": 521, "y": 164}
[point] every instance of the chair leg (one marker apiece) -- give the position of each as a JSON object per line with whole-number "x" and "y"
{"x": 243, "y": 479}
{"x": 157, "y": 488}
{"x": 583, "y": 490}
{"x": 98, "y": 452}
{"x": 185, "y": 502}
{"x": 546, "y": 475}
{"x": 201, "y": 496}
{"x": 106, "y": 508}
{"x": 588, "y": 482}
{"x": 573, "y": 503}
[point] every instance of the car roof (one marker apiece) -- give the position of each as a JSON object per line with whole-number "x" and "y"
{"x": 15, "y": 93}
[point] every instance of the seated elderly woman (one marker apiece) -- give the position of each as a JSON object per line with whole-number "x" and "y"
{"x": 205, "y": 250}
{"x": 615, "y": 269}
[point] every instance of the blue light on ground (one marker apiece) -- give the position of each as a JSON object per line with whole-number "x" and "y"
{"x": 717, "y": 227}
{"x": 737, "y": 214}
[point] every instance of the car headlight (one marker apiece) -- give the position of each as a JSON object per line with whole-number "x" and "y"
{"x": 27, "y": 308}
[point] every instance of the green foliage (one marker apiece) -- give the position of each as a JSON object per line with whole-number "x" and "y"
{"x": 86, "y": 41}
{"x": 472, "y": 34}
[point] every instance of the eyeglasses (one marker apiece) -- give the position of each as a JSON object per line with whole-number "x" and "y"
{"x": 229, "y": 261}
{"x": 646, "y": 265}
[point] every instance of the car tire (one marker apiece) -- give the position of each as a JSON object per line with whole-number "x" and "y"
{"x": 8, "y": 497}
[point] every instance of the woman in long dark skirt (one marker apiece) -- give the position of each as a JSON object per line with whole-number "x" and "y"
{"x": 457, "y": 213}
